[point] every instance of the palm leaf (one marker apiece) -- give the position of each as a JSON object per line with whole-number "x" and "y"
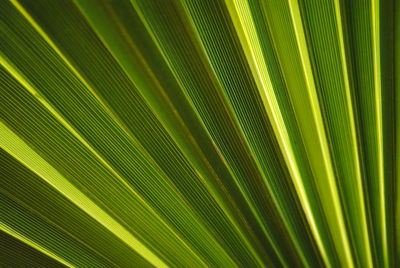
{"x": 196, "y": 133}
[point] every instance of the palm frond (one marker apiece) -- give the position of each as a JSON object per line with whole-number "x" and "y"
{"x": 199, "y": 133}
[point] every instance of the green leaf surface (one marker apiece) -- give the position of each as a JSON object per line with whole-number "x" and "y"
{"x": 199, "y": 133}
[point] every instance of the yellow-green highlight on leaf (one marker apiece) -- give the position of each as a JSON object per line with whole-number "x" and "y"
{"x": 200, "y": 133}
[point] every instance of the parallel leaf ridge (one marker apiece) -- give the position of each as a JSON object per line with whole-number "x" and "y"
{"x": 199, "y": 133}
